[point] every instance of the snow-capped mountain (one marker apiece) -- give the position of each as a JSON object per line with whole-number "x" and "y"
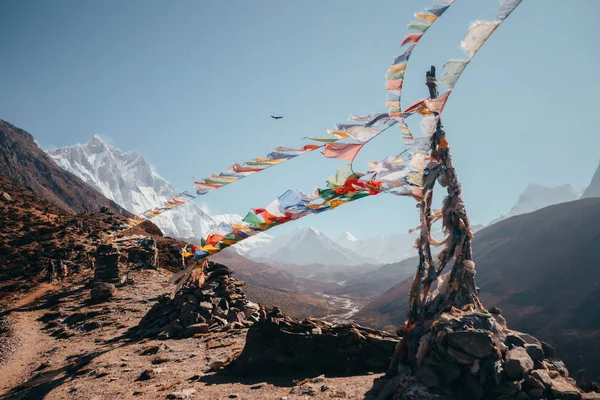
{"x": 124, "y": 177}
{"x": 130, "y": 181}
{"x": 535, "y": 197}
{"x": 305, "y": 246}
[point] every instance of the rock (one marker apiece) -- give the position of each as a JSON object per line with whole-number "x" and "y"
{"x": 476, "y": 343}
{"x": 495, "y": 310}
{"x": 471, "y": 388}
{"x": 460, "y": 357}
{"x": 564, "y": 390}
{"x": 5, "y": 197}
{"x": 449, "y": 372}
{"x": 324, "y": 388}
{"x": 531, "y": 382}
{"x": 257, "y": 386}
{"x": 159, "y": 360}
{"x": 535, "y": 352}
{"x": 590, "y": 396}
{"x": 528, "y": 338}
{"x": 515, "y": 340}
{"x": 542, "y": 376}
{"x": 102, "y": 292}
{"x": 195, "y": 329}
{"x": 517, "y": 363}
{"x": 183, "y": 394}
{"x": 317, "y": 379}
{"x": 146, "y": 375}
{"x": 549, "y": 351}
{"x": 558, "y": 366}
{"x": 427, "y": 376}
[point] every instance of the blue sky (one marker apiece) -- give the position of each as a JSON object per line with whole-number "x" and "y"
{"x": 191, "y": 85}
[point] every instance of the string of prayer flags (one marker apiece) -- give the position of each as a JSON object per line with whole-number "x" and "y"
{"x": 397, "y": 71}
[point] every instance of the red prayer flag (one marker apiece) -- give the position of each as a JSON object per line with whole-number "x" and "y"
{"x": 412, "y": 38}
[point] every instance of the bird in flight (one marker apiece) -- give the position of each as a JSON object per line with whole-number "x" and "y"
{"x": 276, "y": 117}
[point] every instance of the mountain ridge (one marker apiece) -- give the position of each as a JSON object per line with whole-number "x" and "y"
{"x": 25, "y": 163}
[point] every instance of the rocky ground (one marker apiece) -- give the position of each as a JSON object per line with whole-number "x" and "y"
{"x": 66, "y": 347}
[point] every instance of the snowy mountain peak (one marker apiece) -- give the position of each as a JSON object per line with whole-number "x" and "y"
{"x": 130, "y": 181}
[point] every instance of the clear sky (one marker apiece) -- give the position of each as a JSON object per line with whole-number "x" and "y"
{"x": 191, "y": 84}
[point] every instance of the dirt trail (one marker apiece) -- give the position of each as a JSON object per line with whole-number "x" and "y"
{"x": 30, "y": 341}
{"x": 82, "y": 350}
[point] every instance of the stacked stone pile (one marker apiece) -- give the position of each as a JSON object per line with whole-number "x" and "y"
{"x": 471, "y": 354}
{"x": 144, "y": 254}
{"x": 107, "y": 264}
{"x": 215, "y": 302}
{"x": 278, "y": 345}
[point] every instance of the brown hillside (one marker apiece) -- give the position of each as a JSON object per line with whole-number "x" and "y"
{"x": 34, "y": 230}
{"x": 22, "y": 161}
{"x": 543, "y": 270}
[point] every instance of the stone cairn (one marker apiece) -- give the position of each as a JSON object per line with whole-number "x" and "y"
{"x": 107, "y": 264}
{"x": 279, "y": 345}
{"x": 144, "y": 254}
{"x": 213, "y": 302}
{"x": 471, "y": 354}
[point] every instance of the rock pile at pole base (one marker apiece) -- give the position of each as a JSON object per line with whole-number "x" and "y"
{"x": 216, "y": 302}
{"x": 471, "y": 354}
{"x": 279, "y": 346}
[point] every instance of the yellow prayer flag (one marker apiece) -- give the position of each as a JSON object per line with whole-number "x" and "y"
{"x": 333, "y": 203}
{"x": 397, "y": 68}
{"x": 429, "y": 18}
{"x": 392, "y": 104}
{"x": 338, "y": 134}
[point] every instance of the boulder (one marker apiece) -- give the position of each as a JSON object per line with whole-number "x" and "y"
{"x": 5, "y": 197}
{"x": 549, "y": 351}
{"x": 564, "y": 390}
{"x": 542, "y": 376}
{"x": 535, "y": 352}
{"x": 196, "y": 329}
{"x": 102, "y": 292}
{"x": 517, "y": 363}
{"x": 477, "y": 343}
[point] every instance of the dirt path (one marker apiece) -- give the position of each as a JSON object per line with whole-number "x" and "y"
{"x": 29, "y": 341}
{"x": 82, "y": 351}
